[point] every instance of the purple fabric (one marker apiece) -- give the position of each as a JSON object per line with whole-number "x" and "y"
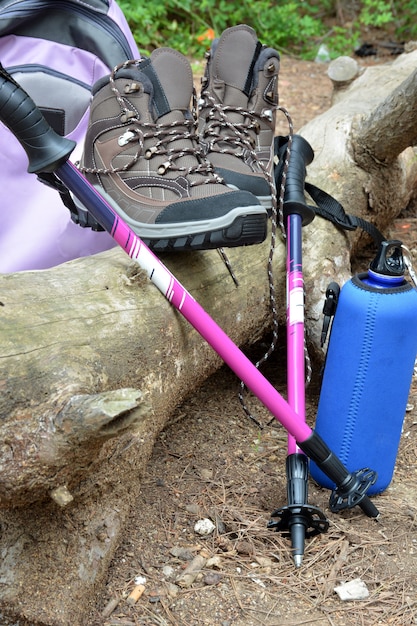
{"x": 36, "y": 231}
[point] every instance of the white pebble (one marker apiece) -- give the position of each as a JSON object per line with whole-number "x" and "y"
{"x": 204, "y": 526}
{"x": 352, "y": 590}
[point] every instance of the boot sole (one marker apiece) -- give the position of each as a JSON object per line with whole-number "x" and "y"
{"x": 244, "y": 231}
{"x": 240, "y": 227}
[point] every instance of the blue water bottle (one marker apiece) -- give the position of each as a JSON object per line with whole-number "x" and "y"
{"x": 368, "y": 369}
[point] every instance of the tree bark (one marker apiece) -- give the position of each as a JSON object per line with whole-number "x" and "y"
{"x": 390, "y": 128}
{"x": 363, "y": 144}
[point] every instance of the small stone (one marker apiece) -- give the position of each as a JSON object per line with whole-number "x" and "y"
{"x": 204, "y": 527}
{"x": 154, "y": 599}
{"x": 184, "y": 554}
{"x": 62, "y": 496}
{"x": 154, "y": 595}
{"x": 353, "y": 590}
{"x": 212, "y": 578}
{"x": 172, "y": 590}
{"x": 244, "y": 547}
{"x": 168, "y": 571}
{"x": 343, "y": 70}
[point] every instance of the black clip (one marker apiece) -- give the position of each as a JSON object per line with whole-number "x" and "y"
{"x": 329, "y": 309}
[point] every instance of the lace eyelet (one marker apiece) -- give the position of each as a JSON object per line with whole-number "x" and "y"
{"x": 127, "y": 115}
{"x": 133, "y": 87}
{"x": 164, "y": 167}
{"x": 271, "y": 68}
{"x": 150, "y": 152}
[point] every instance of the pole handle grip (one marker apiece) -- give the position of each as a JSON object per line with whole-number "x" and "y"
{"x": 301, "y": 155}
{"x": 45, "y": 149}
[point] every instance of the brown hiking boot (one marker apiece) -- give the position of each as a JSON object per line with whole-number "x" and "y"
{"x": 142, "y": 153}
{"x": 237, "y": 111}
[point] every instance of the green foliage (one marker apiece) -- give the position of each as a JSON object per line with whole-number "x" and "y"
{"x": 405, "y": 20}
{"x": 297, "y": 27}
{"x": 343, "y": 40}
{"x": 376, "y": 13}
{"x": 183, "y": 24}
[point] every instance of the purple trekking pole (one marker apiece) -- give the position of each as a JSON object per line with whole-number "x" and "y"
{"x": 297, "y": 518}
{"x": 49, "y": 153}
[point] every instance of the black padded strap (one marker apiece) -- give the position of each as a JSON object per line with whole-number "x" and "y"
{"x": 330, "y": 209}
{"x": 247, "y": 89}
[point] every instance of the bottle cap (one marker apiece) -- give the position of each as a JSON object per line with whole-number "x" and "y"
{"x": 389, "y": 260}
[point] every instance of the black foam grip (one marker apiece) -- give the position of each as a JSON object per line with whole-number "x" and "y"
{"x": 45, "y": 149}
{"x": 301, "y": 155}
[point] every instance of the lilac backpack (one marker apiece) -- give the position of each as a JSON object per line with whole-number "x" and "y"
{"x": 56, "y": 51}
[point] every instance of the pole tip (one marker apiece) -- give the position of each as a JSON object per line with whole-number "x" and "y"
{"x": 298, "y": 559}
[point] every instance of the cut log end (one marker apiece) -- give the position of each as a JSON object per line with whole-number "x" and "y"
{"x": 342, "y": 71}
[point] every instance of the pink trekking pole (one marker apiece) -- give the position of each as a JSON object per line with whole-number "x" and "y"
{"x": 49, "y": 153}
{"x": 298, "y": 519}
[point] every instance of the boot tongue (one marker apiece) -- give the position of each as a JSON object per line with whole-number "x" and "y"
{"x": 172, "y": 79}
{"x": 234, "y": 59}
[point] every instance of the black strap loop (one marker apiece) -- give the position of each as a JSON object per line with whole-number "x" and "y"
{"x": 79, "y": 216}
{"x": 326, "y": 206}
{"x": 329, "y": 208}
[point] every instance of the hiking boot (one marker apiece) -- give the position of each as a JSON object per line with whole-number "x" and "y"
{"x": 142, "y": 153}
{"x": 237, "y": 111}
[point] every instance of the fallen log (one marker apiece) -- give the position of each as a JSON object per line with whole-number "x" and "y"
{"x": 363, "y": 144}
{"x": 91, "y": 351}
{"x": 365, "y": 158}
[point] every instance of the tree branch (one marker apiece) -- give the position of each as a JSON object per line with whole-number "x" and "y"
{"x": 391, "y": 127}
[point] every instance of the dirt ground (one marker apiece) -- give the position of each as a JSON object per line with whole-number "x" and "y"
{"x": 213, "y": 462}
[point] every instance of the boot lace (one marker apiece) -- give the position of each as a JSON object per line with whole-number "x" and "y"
{"x": 231, "y": 137}
{"x": 242, "y": 144}
{"x": 165, "y": 138}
